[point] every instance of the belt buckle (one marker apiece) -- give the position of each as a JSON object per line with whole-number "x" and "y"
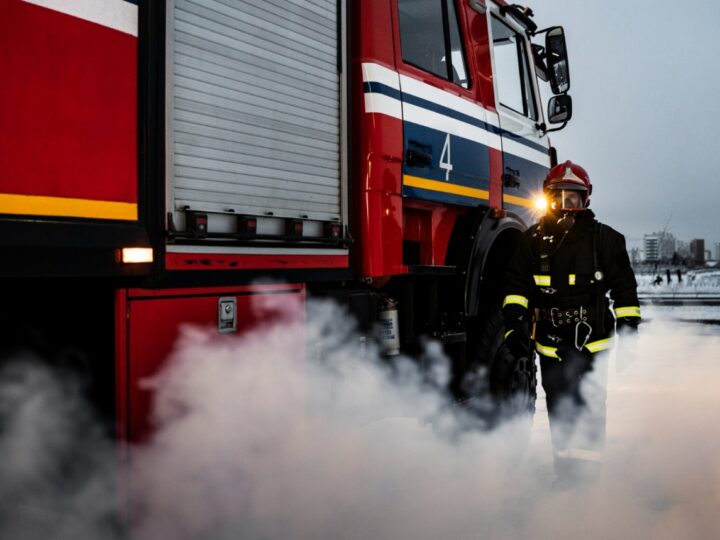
{"x": 552, "y": 316}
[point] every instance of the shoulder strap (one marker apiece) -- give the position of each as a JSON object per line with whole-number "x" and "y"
{"x": 546, "y": 247}
{"x": 536, "y": 245}
{"x": 596, "y": 234}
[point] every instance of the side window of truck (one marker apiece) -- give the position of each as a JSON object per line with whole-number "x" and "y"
{"x": 512, "y": 70}
{"x": 430, "y": 39}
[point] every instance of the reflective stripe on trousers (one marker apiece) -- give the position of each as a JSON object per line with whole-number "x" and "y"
{"x": 593, "y": 347}
{"x": 580, "y": 453}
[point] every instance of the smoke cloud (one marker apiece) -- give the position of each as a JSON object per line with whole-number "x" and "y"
{"x": 258, "y": 438}
{"x": 56, "y": 464}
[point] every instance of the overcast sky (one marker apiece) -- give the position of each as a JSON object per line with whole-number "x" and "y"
{"x": 645, "y": 82}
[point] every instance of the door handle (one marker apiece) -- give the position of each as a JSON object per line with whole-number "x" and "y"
{"x": 415, "y": 158}
{"x": 511, "y": 178}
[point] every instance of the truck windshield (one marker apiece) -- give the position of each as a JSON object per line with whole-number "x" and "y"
{"x": 512, "y": 70}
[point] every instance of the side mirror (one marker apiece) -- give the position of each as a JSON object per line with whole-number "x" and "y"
{"x": 557, "y": 60}
{"x": 559, "y": 109}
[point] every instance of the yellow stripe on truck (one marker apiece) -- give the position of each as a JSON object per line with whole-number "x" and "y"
{"x": 457, "y": 189}
{"x": 445, "y": 187}
{"x": 34, "y": 205}
{"x": 520, "y": 201}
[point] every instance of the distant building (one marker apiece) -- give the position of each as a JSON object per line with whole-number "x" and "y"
{"x": 652, "y": 247}
{"x": 697, "y": 250}
{"x": 635, "y": 255}
{"x": 667, "y": 246}
{"x": 682, "y": 248}
{"x": 717, "y": 251}
{"x": 659, "y": 246}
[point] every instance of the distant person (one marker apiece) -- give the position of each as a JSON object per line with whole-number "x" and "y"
{"x": 679, "y": 275}
{"x": 669, "y": 278}
{"x": 658, "y": 280}
{"x": 558, "y": 279}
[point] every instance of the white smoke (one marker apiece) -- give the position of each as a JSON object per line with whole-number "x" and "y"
{"x": 258, "y": 438}
{"x": 56, "y": 465}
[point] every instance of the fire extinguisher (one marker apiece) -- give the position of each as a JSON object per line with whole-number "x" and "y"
{"x": 389, "y": 327}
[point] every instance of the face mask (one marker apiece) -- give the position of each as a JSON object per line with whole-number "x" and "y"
{"x": 566, "y": 221}
{"x": 566, "y": 199}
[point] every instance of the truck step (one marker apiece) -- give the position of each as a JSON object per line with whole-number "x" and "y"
{"x": 455, "y": 337}
{"x": 430, "y": 270}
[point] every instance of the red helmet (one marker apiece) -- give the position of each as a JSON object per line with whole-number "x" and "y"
{"x": 569, "y": 177}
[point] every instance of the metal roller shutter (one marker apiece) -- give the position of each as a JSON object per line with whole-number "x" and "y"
{"x": 254, "y": 107}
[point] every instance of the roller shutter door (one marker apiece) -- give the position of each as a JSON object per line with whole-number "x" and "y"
{"x": 255, "y": 107}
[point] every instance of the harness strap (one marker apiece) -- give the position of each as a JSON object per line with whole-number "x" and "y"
{"x": 596, "y": 233}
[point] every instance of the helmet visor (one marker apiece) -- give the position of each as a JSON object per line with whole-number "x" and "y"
{"x": 566, "y": 199}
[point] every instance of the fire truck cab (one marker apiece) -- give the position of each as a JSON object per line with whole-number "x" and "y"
{"x": 160, "y": 157}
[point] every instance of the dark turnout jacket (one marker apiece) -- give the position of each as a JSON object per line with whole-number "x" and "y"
{"x": 561, "y": 279}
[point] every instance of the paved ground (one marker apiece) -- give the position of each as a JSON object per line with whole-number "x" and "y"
{"x": 662, "y": 463}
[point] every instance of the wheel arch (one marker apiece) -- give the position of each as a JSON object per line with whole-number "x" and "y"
{"x": 494, "y": 242}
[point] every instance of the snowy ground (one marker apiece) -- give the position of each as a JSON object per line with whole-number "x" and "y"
{"x": 695, "y": 284}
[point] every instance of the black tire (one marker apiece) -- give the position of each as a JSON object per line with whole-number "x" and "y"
{"x": 496, "y": 387}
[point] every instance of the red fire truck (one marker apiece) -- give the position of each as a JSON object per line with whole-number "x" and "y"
{"x": 158, "y": 157}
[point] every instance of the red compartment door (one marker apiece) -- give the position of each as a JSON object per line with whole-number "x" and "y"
{"x": 149, "y": 323}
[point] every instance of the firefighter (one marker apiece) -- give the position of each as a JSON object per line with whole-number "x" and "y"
{"x": 557, "y": 298}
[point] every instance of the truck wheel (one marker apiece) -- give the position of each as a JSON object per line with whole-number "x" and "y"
{"x": 496, "y": 387}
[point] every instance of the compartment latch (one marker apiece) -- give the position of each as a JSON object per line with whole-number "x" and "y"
{"x": 227, "y": 315}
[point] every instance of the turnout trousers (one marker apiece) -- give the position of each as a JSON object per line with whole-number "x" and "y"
{"x": 575, "y": 387}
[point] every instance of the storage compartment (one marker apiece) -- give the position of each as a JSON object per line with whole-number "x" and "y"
{"x": 149, "y": 323}
{"x": 254, "y": 108}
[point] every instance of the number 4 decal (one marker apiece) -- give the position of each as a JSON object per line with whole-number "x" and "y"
{"x": 445, "y": 159}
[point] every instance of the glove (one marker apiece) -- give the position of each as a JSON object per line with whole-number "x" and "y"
{"x": 627, "y": 331}
{"x": 575, "y": 364}
{"x": 517, "y": 340}
{"x": 627, "y": 326}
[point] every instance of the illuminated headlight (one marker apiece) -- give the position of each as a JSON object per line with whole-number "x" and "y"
{"x": 540, "y": 203}
{"x": 137, "y": 255}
